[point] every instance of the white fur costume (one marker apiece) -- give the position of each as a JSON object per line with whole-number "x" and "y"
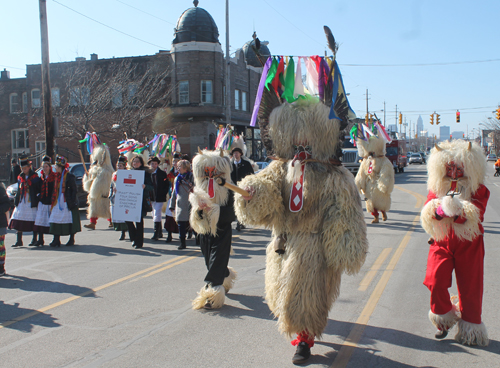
{"x": 97, "y": 183}
{"x": 452, "y": 216}
{"x": 325, "y": 238}
{"x": 213, "y": 224}
{"x": 375, "y": 178}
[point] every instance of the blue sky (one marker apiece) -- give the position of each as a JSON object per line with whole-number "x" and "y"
{"x": 374, "y": 37}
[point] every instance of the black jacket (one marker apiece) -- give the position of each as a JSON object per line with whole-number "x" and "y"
{"x": 46, "y": 198}
{"x": 4, "y": 206}
{"x": 161, "y": 185}
{"x": 14, "y": 173}
{"x": 70, "y": 194}
{"x": 34, "y": 189}
{"x": 241, "y": 170}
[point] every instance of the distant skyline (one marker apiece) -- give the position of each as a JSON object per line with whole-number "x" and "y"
{"x": 420, "y": 55}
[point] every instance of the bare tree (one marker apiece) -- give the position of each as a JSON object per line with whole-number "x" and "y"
{"x": 116, "y": 96}
{"x": 492, "y": 126}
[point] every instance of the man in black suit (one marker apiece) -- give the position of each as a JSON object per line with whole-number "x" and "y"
{"x": 14, "y": 171}
{"x": 161, "y": 186}
{"x": 241, "y": 168}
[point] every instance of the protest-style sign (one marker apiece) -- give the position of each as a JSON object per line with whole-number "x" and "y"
{"x": 128, "y": 198}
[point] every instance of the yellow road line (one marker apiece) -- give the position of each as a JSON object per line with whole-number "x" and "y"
{"x": 180, "y": 260}
{"x": 363, "y": 285}
{"x": 352, "y": 340}
{"x": 419, "y": 197}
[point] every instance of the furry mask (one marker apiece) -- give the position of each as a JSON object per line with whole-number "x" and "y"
{"x": 304, "y": 123}
{"x": 101, "y": 157}
{"x": 207, "y": 167}
{"x": 457, "y": 155}
{"x": 375, "y": 147}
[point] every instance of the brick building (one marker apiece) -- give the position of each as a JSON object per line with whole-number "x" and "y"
{"x": 186, "y": 83}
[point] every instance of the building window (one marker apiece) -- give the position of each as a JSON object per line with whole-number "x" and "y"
{"x": 20, "y": 139}
{"x": 211, "y": 141}
{"x": 131, "y": 92}
{"x": 39, "y": 150}
{"x": 35, "y": 98}
{"x": 206, "y": 91}
{"x": 14, "y": 103}
{"x": 116, "y": 93}
{"x": 236, "y": 99}
{"x": 56, "y": 98}
{"x": 184, "y": 92}
{"x": 244, "y": 101}
{"x": 25, "y": 101}
{"x": 79, "y": 96}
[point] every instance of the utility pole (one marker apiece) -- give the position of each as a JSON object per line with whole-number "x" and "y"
{"x": 367, "y": 102}
{"x": 228, "y": 81}
{"x": 46, "y": 92}
{"x": 384, "y": 114}
{"x": 396, "y": 121}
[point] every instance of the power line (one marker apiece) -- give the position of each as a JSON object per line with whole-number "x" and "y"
{"x": 11, "y": 67}
{"x": 145, "y": 12}
{"x": 105, "y": 25}
{"x": 293, "y": 24}
{"x": 424, "y": 64}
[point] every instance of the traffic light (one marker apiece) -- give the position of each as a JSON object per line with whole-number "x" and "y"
{"x": 371, "y": 119}
{"x": 498, "y": 113}
{"x": 437, "y": 119}
{"x": 458, "y": 116}
{"x": 463, "y": 135}
{"x": 366, "y": 119}
{"x": 400, "y": 118}
{"x": 432, "y": 119}
{"x": 450, "y": 137}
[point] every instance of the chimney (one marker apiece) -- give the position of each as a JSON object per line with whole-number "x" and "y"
{"x": 5, "y": 74}
{"x": 80, "y": 59}
{"x": 93, "y": 57}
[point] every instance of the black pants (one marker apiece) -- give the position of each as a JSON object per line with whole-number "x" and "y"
{"x": 183, "y": 226}
{"x": 216, "y": 251}
{"x": 136, "y": 231}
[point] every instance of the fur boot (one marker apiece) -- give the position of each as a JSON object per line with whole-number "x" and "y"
{"x": 375, "y": 219}
{"x": 472, "y": 334}
{"x": 229, "y": 281}
{"x": 210, "y": 297}
{"x": 444, "y": 322}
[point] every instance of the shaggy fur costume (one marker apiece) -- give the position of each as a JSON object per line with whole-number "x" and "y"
{"x": 324, "y": 239}
{"x": 454, "y": 224}
{"x": 97, "y": 183}
{"x": 213, "y": 224}
{"x": 375, "y": 178}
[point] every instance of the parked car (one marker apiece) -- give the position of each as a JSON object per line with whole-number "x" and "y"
{"x": 351, "y": 160}
{"x": 422, "y": 154}
{"x": 491, "y": 157}
{"x": 262, "y": 165}
{"x": 396, "y": 153}
{"x": 74, "y": 168}
{"x": 416, "y": 158}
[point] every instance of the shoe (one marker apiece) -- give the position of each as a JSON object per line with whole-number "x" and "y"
{"x": 90, "y": 226}
{"x": 384, "y": 216}
{"x": 157, "y": 230}
{"x": 183, "y": 244}
{"x": 71, "y": 241}
{"x": 169, "y": 238}
{"x": 110, "y": 225}
{"x": 375, "y": 220}
{"x": 33, "y": 241}
{"x": 137, "y": 246}
{"x": 2, "y": 273}
{"x": 18, "y": 244}
{"x": 122, "y": 237}
{"x": 302, "y": 354}
{"x": 190, "y": 234}
{"x": 207, "y": 305}
{"x": 55, "y": 243}
{"x": 441, "y": 334}
{"x": 238, "y": 227}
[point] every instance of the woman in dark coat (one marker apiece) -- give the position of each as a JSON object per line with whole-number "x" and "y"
{"x": 42, "y": 224}
{"x": 4, "y": 207}
{"x": 183, "y": 186}
{"x": 64, "y": 217}
{"x": 137, "y": 231}
{"x": 26, "y": 202}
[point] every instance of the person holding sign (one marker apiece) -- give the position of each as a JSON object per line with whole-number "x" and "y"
{"x": 118, "y": 225}
{"x": 136, "y": 230}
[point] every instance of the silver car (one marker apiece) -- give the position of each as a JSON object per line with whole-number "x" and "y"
{"x": 415, "y": 158}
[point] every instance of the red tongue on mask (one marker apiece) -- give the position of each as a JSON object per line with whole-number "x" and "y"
{"x": 370, "y": 168}
{"x": 453, "y": 185}
{"x": 211, "y": 192}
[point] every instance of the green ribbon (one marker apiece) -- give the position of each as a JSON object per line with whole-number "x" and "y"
{"x": 289, "y": 82}
{"x": 84, "y": 140}
{"x": 272, "y": 73}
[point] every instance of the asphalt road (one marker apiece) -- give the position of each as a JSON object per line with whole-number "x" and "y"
{"x": 104, "y": 304}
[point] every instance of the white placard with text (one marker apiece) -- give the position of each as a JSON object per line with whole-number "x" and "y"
{"x": 128, "y": 198}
